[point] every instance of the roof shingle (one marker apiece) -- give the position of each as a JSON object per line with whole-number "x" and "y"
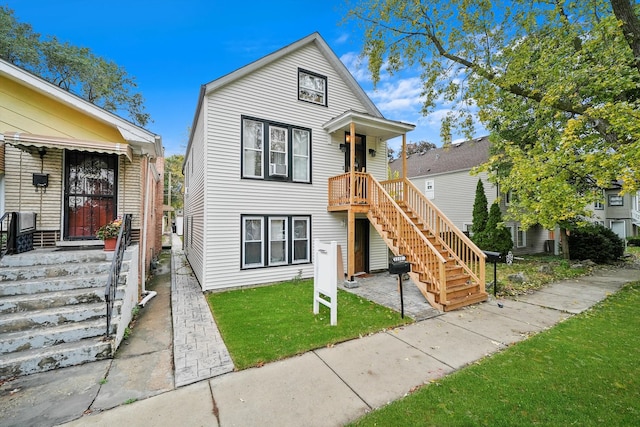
{"x": 454, "y": 157}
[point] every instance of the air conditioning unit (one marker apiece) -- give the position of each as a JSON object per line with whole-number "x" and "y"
{"x": 277, "y": 169}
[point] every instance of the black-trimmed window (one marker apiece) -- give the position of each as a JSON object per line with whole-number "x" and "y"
{"x": 275, "y": 151}
{"x": 274, "y": 240}
{"x": 615, "y": 200}
{"x": 312, "y": 87}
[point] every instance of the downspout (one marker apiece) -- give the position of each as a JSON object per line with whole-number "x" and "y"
{"x": 147, "y": 295}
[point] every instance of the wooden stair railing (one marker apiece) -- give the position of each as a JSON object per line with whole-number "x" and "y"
{"x": 446, "y": 266}
{"x": 463, "y": 251}
{"x": 403, "y": 237}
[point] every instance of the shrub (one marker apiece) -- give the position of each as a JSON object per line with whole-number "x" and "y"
{"x": 633, "y": 240}
{"x": 495, "y": 236}
{"x": 595, "y": 242}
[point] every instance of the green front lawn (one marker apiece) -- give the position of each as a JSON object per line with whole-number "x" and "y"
{"x": 584, "y": 371}
{"x": 264, "y": 324}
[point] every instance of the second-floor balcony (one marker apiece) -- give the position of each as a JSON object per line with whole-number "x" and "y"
{"x": 340, "y": 193}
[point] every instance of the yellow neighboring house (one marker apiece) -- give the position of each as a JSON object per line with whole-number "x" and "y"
{"x": 76, "y": 165}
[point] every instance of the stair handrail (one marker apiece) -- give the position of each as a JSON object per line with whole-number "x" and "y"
{"x": 473, "y": 265}
{"x": 123, "y": 241}
{"x": 4, "y": 234}
{"x": 375, "y": 204}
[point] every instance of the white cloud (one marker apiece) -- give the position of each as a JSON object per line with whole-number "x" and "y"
{"x": 399, "y": 96}
{"x": 357, "y": 66}
{"x": 342, "y": 39}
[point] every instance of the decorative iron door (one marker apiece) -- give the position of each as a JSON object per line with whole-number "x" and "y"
{"x": 90, "y": 193}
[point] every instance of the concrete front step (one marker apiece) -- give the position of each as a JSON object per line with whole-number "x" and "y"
{"x": 42, "y": 301}
{"x": 56, "y": 257}
{"x": 54, "y": 284}
{"x": 50, "y": 317}
{"x": 61, "y": 270}
{"x": 47, "y": 337}
{"x": 57, "y": 356}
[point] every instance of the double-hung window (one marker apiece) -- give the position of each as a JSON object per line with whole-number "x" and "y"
{"x": 301, "y": 244}
{"x": 301, "y": 159}
{"x": 269, "y": 149}
{"x": 252, "y": 135}
{"x": 274, "y": 240}
{"x": 253, "y": 241}
{"x": 278, "y": 238}
{"x": 278, "y": 144}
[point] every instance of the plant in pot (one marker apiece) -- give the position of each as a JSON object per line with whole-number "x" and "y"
{"x": 109, "y": 234}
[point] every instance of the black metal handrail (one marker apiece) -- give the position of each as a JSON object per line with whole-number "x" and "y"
{"x": 124, "y": 239}
{"x": 4, "y": 232}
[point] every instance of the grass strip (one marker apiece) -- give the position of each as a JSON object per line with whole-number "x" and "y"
{"x": 584, "y": 371}
{"x": 269, "y": 323}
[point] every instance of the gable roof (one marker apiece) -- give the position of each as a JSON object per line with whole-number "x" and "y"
{"x": 451, "y": 158}
{"x": 144, "y": 141}
{"x": 314, "y": 38}
{"x": 329, "y": 54}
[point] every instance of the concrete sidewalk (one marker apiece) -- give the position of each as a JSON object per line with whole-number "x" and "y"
{"x": 332, "y": 386}
{"x": 324, "y": 387}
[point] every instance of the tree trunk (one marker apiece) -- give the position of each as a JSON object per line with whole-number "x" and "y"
{"x": 564, "y": 243}
{"x": 624, "y": 11}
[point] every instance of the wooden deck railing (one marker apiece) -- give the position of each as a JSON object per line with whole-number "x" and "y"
{"x": 466, "y": 253}
{"x": 339, "y": 189}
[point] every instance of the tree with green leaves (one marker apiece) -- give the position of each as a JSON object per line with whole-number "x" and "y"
{"x": 75, "y": 69}
{"x": 495, "y": 237}
{"x": 419, "y": 147}
{"x": 174, "y": 189}
{"x": 480, "y": 212}
{"x": 556, "y": 83}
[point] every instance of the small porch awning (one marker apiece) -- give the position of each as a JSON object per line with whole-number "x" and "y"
{"x": 31, "y": 140}
{"x": 367, "y": 124}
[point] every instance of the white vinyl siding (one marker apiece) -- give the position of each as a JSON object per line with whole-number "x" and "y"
{"x": 269, "y": 94}
{"x": 194, "y": 198}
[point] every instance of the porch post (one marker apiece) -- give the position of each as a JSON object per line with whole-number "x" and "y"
{"x": 351, "y": 230}
{"x": 404, "y": 166}
{"x": 403, "y": 154}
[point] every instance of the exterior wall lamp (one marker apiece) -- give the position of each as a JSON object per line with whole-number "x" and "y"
{"x": 372, "y": 152}
{"x": 343, "y": 148}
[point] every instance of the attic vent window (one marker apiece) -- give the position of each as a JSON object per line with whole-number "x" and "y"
{"x": 312, "y": 87}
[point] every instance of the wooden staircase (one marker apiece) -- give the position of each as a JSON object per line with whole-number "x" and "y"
{"x": 446, "y": 266}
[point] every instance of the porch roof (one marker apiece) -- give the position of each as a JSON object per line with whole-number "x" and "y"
{"x": 367, "y": 124}
{"x": 30, "y": 140}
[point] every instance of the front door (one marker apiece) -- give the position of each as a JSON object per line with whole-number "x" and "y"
{"x": 90, "y": 193}
{"x": 361, "y": 255}
{"x": 361, "y": 159}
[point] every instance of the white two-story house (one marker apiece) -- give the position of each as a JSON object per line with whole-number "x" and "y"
{"x": 288, "y": 149}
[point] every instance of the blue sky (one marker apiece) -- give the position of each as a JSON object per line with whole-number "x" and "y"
{"x": 173, "y": 47}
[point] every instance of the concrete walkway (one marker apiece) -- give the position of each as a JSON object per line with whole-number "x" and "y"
{"x": 198, "y": 350}
{"x": 324, "y": 387}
